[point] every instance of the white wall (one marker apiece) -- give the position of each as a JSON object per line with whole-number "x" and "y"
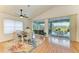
{"x": 4, "y": 37}
{"x": 62, "y": 11}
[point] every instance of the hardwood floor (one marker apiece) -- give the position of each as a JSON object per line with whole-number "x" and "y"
{"x": 75, "y": 46}
{"x": 46, "y": 47}
{"x": 2, "y": 47}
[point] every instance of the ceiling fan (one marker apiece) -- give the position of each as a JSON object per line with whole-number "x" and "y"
{"x": 23, "y": 15}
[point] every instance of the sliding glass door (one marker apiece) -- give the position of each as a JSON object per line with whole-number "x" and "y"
{"x": 59, "y": 29}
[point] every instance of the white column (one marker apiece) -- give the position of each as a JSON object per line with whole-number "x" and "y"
{"x": 46, "y": 27}
{"x": 77, "y": 31}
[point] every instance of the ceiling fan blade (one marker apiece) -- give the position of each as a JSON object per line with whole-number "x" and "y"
{"x": 25, "y": 16}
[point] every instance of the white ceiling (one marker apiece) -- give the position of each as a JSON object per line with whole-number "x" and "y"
{"x": 32, "y": 11}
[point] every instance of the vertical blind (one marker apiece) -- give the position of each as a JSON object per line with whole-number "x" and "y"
{"x": 11, "y": 26}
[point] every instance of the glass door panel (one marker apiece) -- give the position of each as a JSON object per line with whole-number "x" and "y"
{"x": 38, "y": 27}
{"x": 59, "y": 30}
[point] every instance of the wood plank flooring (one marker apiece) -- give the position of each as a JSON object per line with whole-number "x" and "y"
{"x": 75, "y": 46}
{"x": 46, "y": 47}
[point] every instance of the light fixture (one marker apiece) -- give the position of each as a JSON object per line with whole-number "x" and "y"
{"x": 21, "y": 17}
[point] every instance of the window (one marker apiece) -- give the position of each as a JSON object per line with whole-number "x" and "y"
{"x": 38, "y": 27}
{"x": 11, "y": 26}
{"x": 59, "y": 26}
